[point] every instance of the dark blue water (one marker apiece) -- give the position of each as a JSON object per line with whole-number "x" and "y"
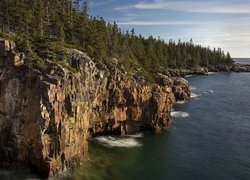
{"x": 211, "y": 140}
{"x": 242, "y": 60}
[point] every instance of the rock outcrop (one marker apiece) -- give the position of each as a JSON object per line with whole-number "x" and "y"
{"x": 234, "y": 67}
{"x": 47, "y": 116}
{"x": 180, "y": 86}
{"x": 8, "y": 56}
{"x": 241, "y": 68}
{"x": 183, "y": 72}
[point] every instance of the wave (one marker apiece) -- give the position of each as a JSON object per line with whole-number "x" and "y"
{"x": 192, "y": 88}
{"x": 137, "y": 135}
{"x": 188, "y": 76}
{"x": 209, "y": 73}
{"x": 110, "y": 141}
{"x": 181, "y": 102}
{"x": 193, "y": 95}
{"x": 211, "y": 91}
{"x": 179, "y": 114}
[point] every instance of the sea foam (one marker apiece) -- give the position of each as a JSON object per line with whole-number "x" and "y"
{"x": 209, "y": 73}
{"x": 211, "y": 91}
{"x": 179, "y": 114}
{"x": 192, "y": 88}
{"x": 137, "y": 135}
{"x": 111, "y": 141}
{"x": 193, "y": 95}
{"x": 181, "y": 102}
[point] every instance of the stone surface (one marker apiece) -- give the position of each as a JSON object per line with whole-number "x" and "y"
{"x": 183, "y": 72}
{"x": 47, "y": 117}
{"x": 240, "y": 68}
{"x": 8, "y": 56}
{"x": 181, "y": 89}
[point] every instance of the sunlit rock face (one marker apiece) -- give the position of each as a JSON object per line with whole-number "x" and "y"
{"x": 47, "y": 116}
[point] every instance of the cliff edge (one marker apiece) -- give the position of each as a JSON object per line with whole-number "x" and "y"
{"x": 47, "y": 116}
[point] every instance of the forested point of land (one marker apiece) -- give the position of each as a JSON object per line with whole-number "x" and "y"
{"x": 43, "y": 29}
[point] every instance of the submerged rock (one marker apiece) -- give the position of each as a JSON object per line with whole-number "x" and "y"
{"x": 47, "y": 117}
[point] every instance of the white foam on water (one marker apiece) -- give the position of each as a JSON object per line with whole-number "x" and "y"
{"x": 188, "y": 76}
{"x": 193, "y": 95}
{"x": 211, "y": 91}
{"x": 181, "y": 102}
{"x": 179, "y": 114}
{"x": 137, "y": 135}
{"x": 110, "y": 141}
{"x": 192, "y": 88}
{"x": 209, "y": 73}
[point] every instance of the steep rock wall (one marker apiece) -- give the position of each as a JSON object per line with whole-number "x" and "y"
{"x": 47, "y": 117}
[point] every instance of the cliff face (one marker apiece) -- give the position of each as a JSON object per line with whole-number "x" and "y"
{"x": 47, "y": 117}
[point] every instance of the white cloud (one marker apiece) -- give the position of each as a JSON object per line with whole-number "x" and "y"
{"x": 100, "y": 3}
{"x": 192, "y": 6}
{"x": 124, "y": 7}
{"x": 146, "y": 23}
{"x": 230, "y": 30}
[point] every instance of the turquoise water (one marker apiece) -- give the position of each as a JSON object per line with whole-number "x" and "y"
{"x": 209, "y": 139}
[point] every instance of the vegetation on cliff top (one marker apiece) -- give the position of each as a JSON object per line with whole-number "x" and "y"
{"x": 44, "y": 28}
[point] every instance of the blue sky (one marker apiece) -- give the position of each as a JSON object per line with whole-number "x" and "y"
{"x": 214, "y": 23}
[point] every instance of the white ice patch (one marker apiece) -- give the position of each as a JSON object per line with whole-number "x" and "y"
{"x": 179, "y": 114}
{"x": 110, "y": 141}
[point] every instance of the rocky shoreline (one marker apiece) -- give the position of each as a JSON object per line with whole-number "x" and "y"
{"x": 233, "y": 67}
{"x": 47, "y": 116}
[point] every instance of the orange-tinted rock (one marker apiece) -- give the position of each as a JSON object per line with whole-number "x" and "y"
{"x": 45, "y": 119}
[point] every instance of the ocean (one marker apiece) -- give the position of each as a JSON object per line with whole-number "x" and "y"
{"x": 242, "y": 60}
{"x": 209, "y": 139}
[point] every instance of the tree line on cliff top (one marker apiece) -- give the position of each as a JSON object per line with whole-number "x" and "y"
{"x": 44, "y": 27}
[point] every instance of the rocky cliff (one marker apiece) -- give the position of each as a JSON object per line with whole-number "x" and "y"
{"x": 46, "y": 116}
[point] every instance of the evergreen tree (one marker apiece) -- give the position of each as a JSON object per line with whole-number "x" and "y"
{"x": 49, "y": 25}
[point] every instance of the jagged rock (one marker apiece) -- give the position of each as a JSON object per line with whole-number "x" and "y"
{"x": 241, "y": 68}
{"x": 223, "y": 67}
{"x": 183, "y": 72}
{"x": 47, "y": 117}
{"x": 164, "y": 80}
{"x": 8, "y": 56}
{"x": 181, "y": 89}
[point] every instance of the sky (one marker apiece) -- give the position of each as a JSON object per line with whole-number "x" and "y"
{"x": 213, "y": 23}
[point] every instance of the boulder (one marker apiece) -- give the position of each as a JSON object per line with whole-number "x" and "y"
{"x": 181, "y": 89}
